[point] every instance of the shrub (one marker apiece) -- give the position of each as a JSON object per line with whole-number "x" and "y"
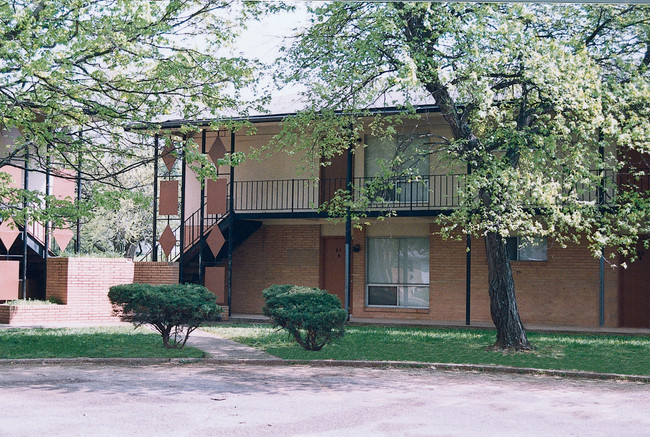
{"x": 312, "y": 316}
{"x": 174, "y": 310}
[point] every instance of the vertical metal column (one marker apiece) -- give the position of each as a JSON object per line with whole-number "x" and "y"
{"x": 468, "y": 270}
{"x": 77, "y": 243}
{"x": 48, "y": 193}
{"x": 154, "y": 238}
{"x": 468, "y": 280}
{"x": 601, "y": 186}
{"x": 601, "y": 291}
{"x": 231, "y": 220}
{"x": 348, "y": 235}
{"x": 23, "y": 286}
{"x": 182, "y": 226}
{"x": 202, "y": 213}
{"x": 601, "y": 201}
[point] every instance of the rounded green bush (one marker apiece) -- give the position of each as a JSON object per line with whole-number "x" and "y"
{"x": 312, "y": 316}
{"x": 174, "y": 310}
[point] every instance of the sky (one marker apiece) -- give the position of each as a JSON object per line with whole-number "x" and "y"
{"x": 262, "y": 40}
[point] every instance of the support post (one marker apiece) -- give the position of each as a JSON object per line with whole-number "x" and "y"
{"x": 23, "y": 285}
{"x": 48, "y": 193}
{"x": 601, "y": 186}
{"x": 468, "y": 270}
{"x": 231, "y": 219}
{"x": 182, "y": 226}
{"x": 154, "y": 238}
{"x": 468, "y": 279}
{"x": 601, "y": 291}
{"x": 77, "y": 243}
{"x": 348, "y": 235}
{"x": 202, "y": 213}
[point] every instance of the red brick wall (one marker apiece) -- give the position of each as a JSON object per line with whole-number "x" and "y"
{"x": 562, "y": 291}
{"x": 85, "y": 292}
{"x": 82, "y": 285}
{"x": 155, "y": 273}
{"x": 274, "y": 254}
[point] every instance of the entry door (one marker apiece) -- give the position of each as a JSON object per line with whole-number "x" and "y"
{"x": 333, "y": 266}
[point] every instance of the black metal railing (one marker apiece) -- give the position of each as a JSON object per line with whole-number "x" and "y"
{"x": 428, "y": 192}
{"x": 300, "y": 195}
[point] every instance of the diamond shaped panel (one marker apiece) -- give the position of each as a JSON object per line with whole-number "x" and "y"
{"x": 167, "y": 240}
{"x": 217, "y": 151}
{"x": 8, "y": 233}
{"x": 62, "y": 237}
{"x": 168, "y": 157}
{"x": 215, "y": 240}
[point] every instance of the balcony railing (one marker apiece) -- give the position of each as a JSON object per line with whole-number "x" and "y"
{"x": 428, "y": 192}
{"x": 424, "y": 193}
{"x": 302, "y": 195}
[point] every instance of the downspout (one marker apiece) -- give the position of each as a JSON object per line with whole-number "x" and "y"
{"x": 348, "y": 235}
{"x": 154, "y": 239}
{"x": 231, "y": 220}
{"x": 182, "y": 226}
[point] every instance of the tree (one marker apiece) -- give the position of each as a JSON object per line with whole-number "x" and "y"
{"x": 75, "y": 75}
{"x": 541, "y": 101}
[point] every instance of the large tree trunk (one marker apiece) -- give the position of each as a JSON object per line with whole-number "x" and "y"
{"x": 503, "y": 303}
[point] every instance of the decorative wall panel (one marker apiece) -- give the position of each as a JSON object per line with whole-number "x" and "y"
{"x": 217, "y": 196}
{"x": 168, "y": 204}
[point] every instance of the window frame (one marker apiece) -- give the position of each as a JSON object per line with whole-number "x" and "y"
{"x": 400, "y": 287}
{"x": 520, "y": 244}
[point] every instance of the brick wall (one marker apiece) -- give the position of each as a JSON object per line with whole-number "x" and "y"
{"x": 274, "y": 254}
{"x": 562, "y": 291}
{"x": 155, "y": 273}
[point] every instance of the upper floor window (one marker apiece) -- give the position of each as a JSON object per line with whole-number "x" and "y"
{"x": 527, "y": 249}
{"x": 399, "y": 153}
{"x": 405, "y": 157}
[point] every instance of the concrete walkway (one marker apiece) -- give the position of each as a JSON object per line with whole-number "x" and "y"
{"x": 221, "y": 348}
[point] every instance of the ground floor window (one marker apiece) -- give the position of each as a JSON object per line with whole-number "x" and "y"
{"x": 398, "y": 272}
{"x": 527, "y": 249}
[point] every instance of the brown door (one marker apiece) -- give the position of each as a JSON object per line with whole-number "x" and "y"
{"x": 332, "y": 177}
{"x": 635, "y": 292}
{"x": 332, "y": 276}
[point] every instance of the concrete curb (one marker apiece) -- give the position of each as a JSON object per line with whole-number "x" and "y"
{"x": 331, "y": 363}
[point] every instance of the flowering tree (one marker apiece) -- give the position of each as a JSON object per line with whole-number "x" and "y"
{"x": 541, "y": 101}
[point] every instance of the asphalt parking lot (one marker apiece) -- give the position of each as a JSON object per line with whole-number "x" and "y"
{"x": 250, "y": 400}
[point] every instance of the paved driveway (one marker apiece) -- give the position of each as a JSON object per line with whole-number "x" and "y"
{"x": 214, "y": 400}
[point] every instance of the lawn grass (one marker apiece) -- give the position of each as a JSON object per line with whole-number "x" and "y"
{"x": 104, "y": 342}
{"x": 596, "y": 353}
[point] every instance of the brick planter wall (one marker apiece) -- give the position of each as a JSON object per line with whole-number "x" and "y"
{"x": 82, "y": 285}
{"x": 155, "y": 273}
